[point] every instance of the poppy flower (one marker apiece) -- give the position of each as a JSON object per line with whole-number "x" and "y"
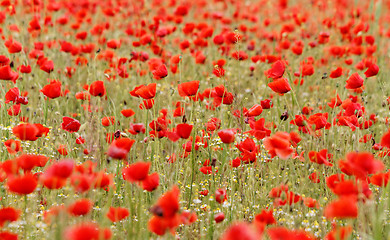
{"x": 276, "y": 71}
{"x": 380, "y": 179}
{"x": 147, "y": 104}
{"x": 385, "y": 140}
{"x": 227, "y": 135}
{"x": 136, "y": 171}
{"x": 146, "y": 91}
{"x": 254, "y": 111}
{"x": 279, "y": 145}
{"x": 6, "y": 73}
{"x": 127, "y": 112}
{"x": 354, "y": 81}
{"x": 80, "y": 207}
{"x": 70, "y": 124}
{"x": 188, "y": 89}
{"x": 372, "y": 70}
{"x": 87, "y": 231}
{"x": 220, "y": 195}
{"x": 97, "y": 89}
{"x": 26, "y": 132}
{"x": 62, "y": 150}
{"x": 8, "y": 214}
{"x": 22, "y": 185}
{"x": 107, "y": 121}
{"x": 259, "y": 131}
{"x": 336, "y": 73}
{"x": 240, "y": 231}
{"x": 248, "y": 150}
{"x": 279, "y": 233}
{"x": 13, "y": 146}
{"x": 52, "y": 90}
{"x": 116, "y": 214}
{"x": 119, "y": 148}
{"x": 5, "y": 235}
{"x": 13, "y": 95}
{"x": 219, "y": 217}
{"x": 47, "y": 66}
{"x": 137, "y": 128}
{"x": 160, "y": 72}
{"x": 360, "y": 164}
{"x": 13, "y": 46}
{"x": 280, "y": 85}
{"x": 266, "y": 217}
{"x": 344, "y": 207}
{"x": 29, "y": 161}
{"x": 339, "y": 232}
{"x": 151, "y": 182}
{"x": 321, "y": 157}
{"x": 184, "y": 130}
{"x": 14, "y": 110}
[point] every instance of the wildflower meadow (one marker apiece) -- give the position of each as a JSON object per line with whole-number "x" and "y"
{"x": 194, "y": 119}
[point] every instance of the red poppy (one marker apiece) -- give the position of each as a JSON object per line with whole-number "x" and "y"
{"x": 80, "y": 207}
{"x": 5, "y": 235}
{"x": 258, "y": 130}
{"x": 219, "y": 217}
{"x": 188, "y": 89}
{"x": 70, "y": 124}
{"x": 372, "y": 70}
{"x": 29, "y": 161}
{"x": 280, "y": 85}
{"x": 344, "y": 207}
{"x": 8, "y": 214}
{"x": 127, "y": 112}
{"x": 276, "y": 71}
{"x": 87, "y": 231}
{"x": 146, "y": 92}
{"x": 119, "y": 148}
{"x": 220, "y": 195}
{"x": 26, "y": 132}
{"x": 265, "y": 217}
{"x": 62, "y": 149}
{"x": 240, "y": 231}
{"x": 282, "y": 233}
{"x": 108, "y": 121}
{"x": 116, "y": 214}
{"x": 97, "y": 89}
{"x": 380, "y": 179}
{"x": 136, "y": 171}
{"x": 360, "y": 164}
{"x": 254, "y": 111}
{"x": 14, "y": 110}
{"x": 137, "y": 128}
{"x": 184, "y": 130}
{"x": 339, "y": 233}
{"x": 321, "y": 157}
{"x": 279, "y": 145}
{"x": 151, "y": 182}
{"x": 160, "y": 72}
{"x": 227, "y": 135}
{"x": 248, "y": 150}
{"x": 13, "y": 95}
{"x": 354, "y": 81}
{"x": 6, "y": 73}
{"x": 52, "y": 90}
{"x": 13, "y": 146}
{"x": 22, "y": 185}
{"x": 336, "y": 73}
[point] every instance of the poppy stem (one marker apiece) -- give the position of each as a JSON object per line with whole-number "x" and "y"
{"x": 46, "y": 110}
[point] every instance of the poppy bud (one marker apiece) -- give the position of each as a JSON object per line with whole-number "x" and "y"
{"x": 284, "y": 116}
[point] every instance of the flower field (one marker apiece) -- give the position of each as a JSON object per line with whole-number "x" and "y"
{"x": 178, "y": 119}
